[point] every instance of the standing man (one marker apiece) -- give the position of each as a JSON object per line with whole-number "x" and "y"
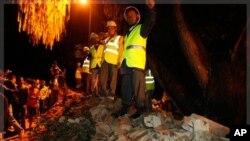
{"x": 134, "y": 59}
{"x": 96, "y": 51}
{"x": 85, "y": 72}
{"x": 112, "y": 58}
{"x": 78, "y": 76}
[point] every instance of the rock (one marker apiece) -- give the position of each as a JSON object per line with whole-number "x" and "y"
{"x": 62, "y": 119}
{"x": 103, "y": 128}
{"x": 71, "y": 120}
{"x": 77, "y": 120}
{"x": 201, "y": 131}
{"x": 121, "y": 125}
{"x": 137, "y": 133}
{"x": 122, "y": 138}
{"x": 152, "y": 121}
{"x": 215, "y": 129}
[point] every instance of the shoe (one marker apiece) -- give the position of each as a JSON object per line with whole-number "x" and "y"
{"x": 111, "y": 97}
{"x": 135, "y": 116}
{"x": 138, "y": 113}
{"x": 121, "y": 112}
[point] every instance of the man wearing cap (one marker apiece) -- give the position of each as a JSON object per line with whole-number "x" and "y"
{"x": 112, "y": 58}
{"x": 134, "y": 59}
{"x": 96, "y": 51}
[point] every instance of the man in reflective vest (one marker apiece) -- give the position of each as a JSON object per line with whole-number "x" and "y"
{"x": 96, "y": 51}
{"x": 134, "y": 58}
{"x": 112, "y": 58}
{"x": 86, "y": 72}
{"x": 150, "y": 86}
{"x": 78, "y": 75}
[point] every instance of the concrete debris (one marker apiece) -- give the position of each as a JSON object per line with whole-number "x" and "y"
{"x": 152, "y": 121}
{"x": 154, "y": 126}
{"x": 103, "y": 128}
{"x": 62, "y": 119}
{"x": 201, "y": 130}
{"x": 121, "y": 125}
{"x": 99, "y": 113}
{"x": 74, "y": 120}
{"x": 162, "y": 126}
{"x": 196, "y": 123}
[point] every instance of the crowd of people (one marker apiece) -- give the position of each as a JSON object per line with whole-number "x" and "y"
{"x": 24, "y": 100}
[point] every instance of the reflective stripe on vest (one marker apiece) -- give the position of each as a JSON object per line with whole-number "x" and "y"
{"x": 85, "y": 65}
{"x": 111, "y": 50}
{"x": 135, "y": 48}
{"x": 150, "y": 82}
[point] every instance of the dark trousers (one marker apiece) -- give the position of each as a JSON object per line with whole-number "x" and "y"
{"x": 133, "y": 85}
{"x": 95, "y": 83}
{"x": 86, "y": 82}
{"x": 108, "y": 74}
{"x": 149, "y": 95}
{"x": 19, "y": 113}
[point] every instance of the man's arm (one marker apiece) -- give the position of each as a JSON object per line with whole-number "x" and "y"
{"x": 149, "y": 21}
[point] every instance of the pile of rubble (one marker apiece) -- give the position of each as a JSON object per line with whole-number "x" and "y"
{"x": 90, "y": 119}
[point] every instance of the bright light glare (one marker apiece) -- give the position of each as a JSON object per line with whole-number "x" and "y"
{"x": 83, "y": 1}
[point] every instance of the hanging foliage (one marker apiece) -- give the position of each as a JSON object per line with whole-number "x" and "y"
{"x": 43, "y": 20}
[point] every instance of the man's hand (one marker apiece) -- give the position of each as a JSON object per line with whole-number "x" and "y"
{"x": 150, "y": 3}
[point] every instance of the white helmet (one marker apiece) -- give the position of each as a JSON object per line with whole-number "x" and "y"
{"x": 85, "y": 48}
{"x": 93, "y": 35}
{"x": 111, "y": 23}
{"x": 134, "y": 8}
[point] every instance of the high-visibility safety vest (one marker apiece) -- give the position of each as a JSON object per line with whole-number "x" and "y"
{"x": 85, "y": 65}
{"x": 150, "y": 82}
{"x": 96, "y": 54}
{"x": 135, "y": 48}
{"x": 111, "y": 51}
{"x": 78, "y": 73}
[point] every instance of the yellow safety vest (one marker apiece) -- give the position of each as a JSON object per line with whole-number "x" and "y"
{"x": 96, "y": 54}
{"x": 111, "y": 51}
{"x": 150, "y": 82}
{"x": 85, "y": 65}
{"x": 135, "y": 48}
{"x": 78, "y": 73}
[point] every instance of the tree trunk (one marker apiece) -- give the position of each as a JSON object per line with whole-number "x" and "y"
{"x": 193, "y": 49}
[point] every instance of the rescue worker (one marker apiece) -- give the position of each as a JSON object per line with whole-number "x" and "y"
{"x": 96, "y": 52}
{"x": 86, "y": 72}
{"x": 78, "y": 75}
{"x": 112, "y": 57}
{"x": 134, "y": 59}
{"x": 150, "y": 86}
